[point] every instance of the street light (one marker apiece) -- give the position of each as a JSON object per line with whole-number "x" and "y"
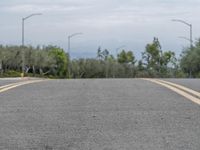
{"x": 190, "y": 38}
{"x": 190, "y": 26}
{"x": 69, "y": 40}
{"x": 69, "y": 37}
{"x": 23, "y": 57}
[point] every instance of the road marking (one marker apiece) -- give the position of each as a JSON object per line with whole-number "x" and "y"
{"x": 178, "y": 89}
{"x": 7, "y": 85}
{"x": 193, "y": 92}
{"x": 14, "y": 85}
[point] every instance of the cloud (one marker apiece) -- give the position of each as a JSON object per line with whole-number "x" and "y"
{"x": 103, "y": 21}
{"x": 95, "y": 8}
{"x": 40, "y": 8}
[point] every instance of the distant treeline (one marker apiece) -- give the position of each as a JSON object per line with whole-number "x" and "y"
{"x": 54, "y": 62}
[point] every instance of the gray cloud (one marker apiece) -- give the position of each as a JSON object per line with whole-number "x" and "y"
{"x": 109, "y": 23}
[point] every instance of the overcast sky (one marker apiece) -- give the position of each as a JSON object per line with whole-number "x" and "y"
{"x": 105, "y": 23}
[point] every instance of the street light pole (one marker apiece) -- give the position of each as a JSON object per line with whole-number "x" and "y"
{"x": 23, "y": 55}
{"x": 190, "y": 38}
{"x": 189, "y": 25}
{"x": 191, "y": 41}
{"x": 23, "y": 31}
{"x": 69, "y": 44}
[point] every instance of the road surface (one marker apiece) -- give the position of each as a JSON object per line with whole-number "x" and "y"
{"x": 98, "y": 114}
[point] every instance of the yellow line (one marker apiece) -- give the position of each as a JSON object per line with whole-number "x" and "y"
{"x": 14, "y": 85}
{"x": 182, "y": 88}
{"x": 175, "y": 89}
{"x": 4, "y": 86}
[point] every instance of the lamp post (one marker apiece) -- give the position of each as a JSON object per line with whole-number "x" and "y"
{"x": 69, "y": 46}
{"x": 190, "y": 26}
{"x": 23, "y": 57}
{"x": 190, "y": 38}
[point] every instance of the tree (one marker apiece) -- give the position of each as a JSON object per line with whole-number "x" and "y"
{"x": 151, "y": 56}
{"x": 60, "y": 58}
{"x": 190, "y": 60}
{"x": 102, "y": 55}
{"x": 126, "y": 57}
{"x": 156, "y": 61}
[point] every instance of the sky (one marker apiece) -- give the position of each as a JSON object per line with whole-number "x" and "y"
{"x": 106, "y": 23}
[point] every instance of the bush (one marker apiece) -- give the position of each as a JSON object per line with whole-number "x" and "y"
{"x": 11, "y": 73}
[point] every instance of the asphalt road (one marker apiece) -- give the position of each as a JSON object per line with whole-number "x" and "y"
{"x": 4, "y": 81}
{"x": 190, "y": 83}
{"x": 110, "y": 114}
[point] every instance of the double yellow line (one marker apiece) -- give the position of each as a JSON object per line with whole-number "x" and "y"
{"x": 190, "y": 94}
{"x": 17, "y": 84}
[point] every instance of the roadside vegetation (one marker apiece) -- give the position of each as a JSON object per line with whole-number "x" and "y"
{"x": 54, "y": 62}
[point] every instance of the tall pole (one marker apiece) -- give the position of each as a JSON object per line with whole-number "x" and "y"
{"x": 69, "y": 59}
{"x": 191, "y": 41}
{"x": 23, "y": 53}
{"x": 191, "y": 45}
{"x": 23, "y": 31}
{"x": 190, "y": 38}
{"x": 69, "y": 44}
{"x": 189, "y": 25}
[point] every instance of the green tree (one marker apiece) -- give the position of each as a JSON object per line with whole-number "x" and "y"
{"x": 151, "y": 56}
{"x": 157, "y": 62}
{"x": 126, "y": 57}
{"x": 60, "y": 58}
{"x": 190, "y": 60}
{"x": 102, "y": 55}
